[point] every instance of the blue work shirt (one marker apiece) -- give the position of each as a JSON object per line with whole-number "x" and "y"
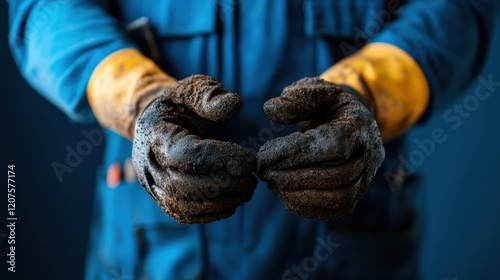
{"x": 255, "y": 48}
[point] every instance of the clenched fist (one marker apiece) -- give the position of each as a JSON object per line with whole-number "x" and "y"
{"x": 193, "y": 179}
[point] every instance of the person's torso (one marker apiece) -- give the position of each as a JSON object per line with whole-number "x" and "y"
{"x": 255, "y": 48}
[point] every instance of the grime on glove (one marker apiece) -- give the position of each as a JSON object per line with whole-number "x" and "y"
{"x": 192, "y": 178}
{"x": 322, "y": 171}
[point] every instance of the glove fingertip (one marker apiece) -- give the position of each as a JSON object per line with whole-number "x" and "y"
{"x": 267, "y": 157}
{"x": 300, "y": 101}
{"x": 206, "y": 97}
{"x": 223, "y": 107}
{"x": 279, "y": 111}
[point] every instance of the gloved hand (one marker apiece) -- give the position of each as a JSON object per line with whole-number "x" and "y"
{"x": 322, "y": 171}
{"x": 194, "y": 180}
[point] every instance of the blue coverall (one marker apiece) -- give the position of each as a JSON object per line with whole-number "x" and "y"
{"x": 255, "y": 48}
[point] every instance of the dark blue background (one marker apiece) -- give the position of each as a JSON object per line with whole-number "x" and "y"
{"x": 462, "y": 187}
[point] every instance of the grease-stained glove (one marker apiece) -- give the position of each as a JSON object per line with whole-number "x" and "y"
{"x": 322, "y": 171}
{"x": 194, "y": 180}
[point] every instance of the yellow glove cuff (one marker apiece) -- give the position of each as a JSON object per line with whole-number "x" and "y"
{"x": 122, "y": 86}
{"x": 392, "y": 79}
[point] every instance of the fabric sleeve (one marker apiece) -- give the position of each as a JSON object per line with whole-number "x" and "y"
{"x": 449, "y": 39}
{"x": 58, "y": 43}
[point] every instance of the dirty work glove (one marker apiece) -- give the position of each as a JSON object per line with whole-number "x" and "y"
{"x": 322, "y": 171}
{"x": 194, "y": 180}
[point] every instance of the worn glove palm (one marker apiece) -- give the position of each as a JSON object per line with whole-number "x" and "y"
{"x": 323, "y": 171}
{"x": 194, "y": 180}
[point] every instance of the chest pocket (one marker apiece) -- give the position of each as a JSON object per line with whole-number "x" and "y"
{"x": 185, "y": 33}
{"x": 172, "y": 17}
{"x": 175, "y": 18}
{"x": 348, "y": 19}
